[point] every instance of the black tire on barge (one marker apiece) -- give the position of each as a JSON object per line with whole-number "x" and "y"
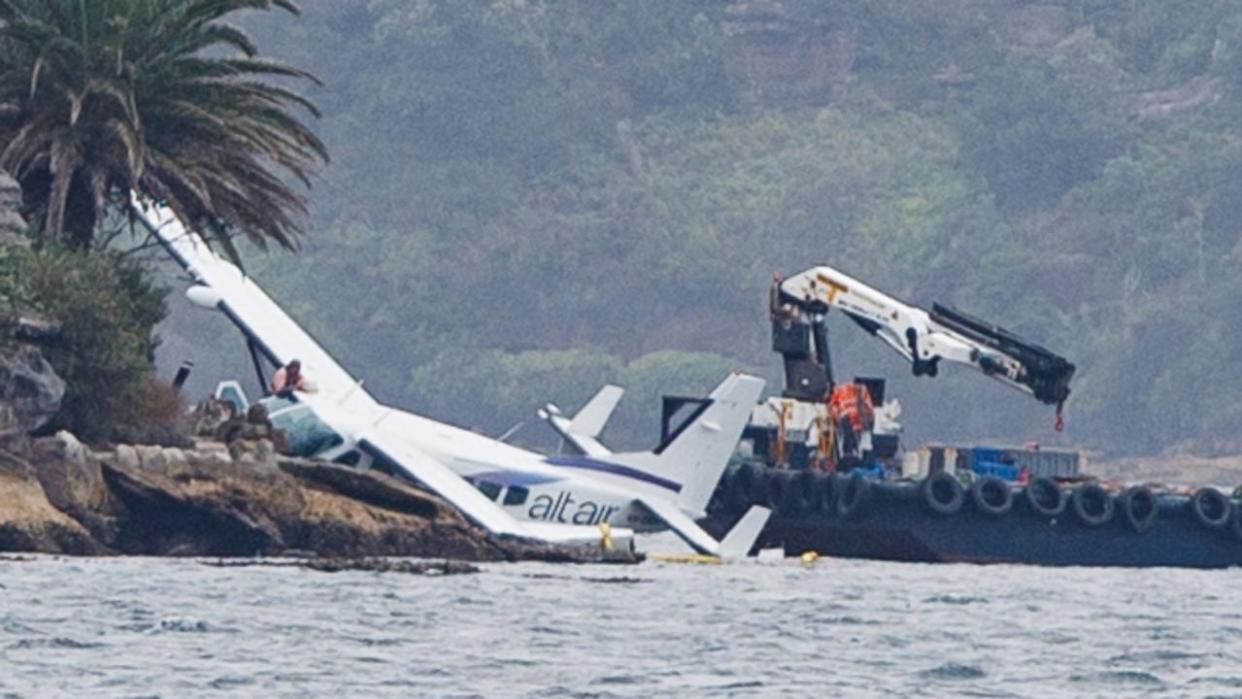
{"x": 1211, "y": 508}
{"x": 991, "y": 496}
{"x": 829, "y": 493}
{"x": 943, "y": 493}
{"x": 742, "y": 487}
{"x": 800, "y": 493}
{"x": 1093, "y": 505}
{"x": 1045, "y": 497}
{"x": 1138, "y": 508}
{"x": 1235, "y": 521}
{"x": 854, "y": 496}
{"x": 777, "y": 485}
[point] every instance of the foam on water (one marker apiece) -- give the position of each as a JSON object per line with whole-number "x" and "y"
{"x": 154, "y": 627}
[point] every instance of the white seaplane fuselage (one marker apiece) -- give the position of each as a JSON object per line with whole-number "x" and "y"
{"x": 526, "y": 484}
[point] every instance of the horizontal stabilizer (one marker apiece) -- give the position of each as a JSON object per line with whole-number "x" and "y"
{"x": 741, "y": 538}
{"x": 582, "y": 432}
{"x": 591, "y": 419}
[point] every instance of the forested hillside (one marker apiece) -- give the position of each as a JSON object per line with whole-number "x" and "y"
{"x": 529, "y": 198}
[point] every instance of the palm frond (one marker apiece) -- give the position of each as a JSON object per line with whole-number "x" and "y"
{"x": 164, "y": 96}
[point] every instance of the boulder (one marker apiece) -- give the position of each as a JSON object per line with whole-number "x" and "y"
{"x": 35, "y": 328}
{"x": 208, "y": 415}
{"x": 126, "y": 457}
{"x": 28, "y": 519}
{"x": 70, "y": 477}
{"x": 151, "y": 458}
{"x": 208, "y": 455}
{"x": 30, "y": 391}
{"x": 184, "y": 509}
{"x": 72, "y": 481}
{"x": 63, "y": 445}
{"x": 258, "y": 454}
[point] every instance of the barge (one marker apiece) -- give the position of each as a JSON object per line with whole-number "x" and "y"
{"x": 1045, "y": 521}
{"x": 825, "y": 457}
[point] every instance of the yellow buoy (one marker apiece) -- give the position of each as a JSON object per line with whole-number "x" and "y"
{"x": 809, "y": 557}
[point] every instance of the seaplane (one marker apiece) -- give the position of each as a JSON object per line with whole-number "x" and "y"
{"x": 508, "y": 490}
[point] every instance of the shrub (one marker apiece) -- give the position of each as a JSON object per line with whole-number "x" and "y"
{"x": 108, "y": 307}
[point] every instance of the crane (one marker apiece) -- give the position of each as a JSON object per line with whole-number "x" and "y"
{"x": 923, "y": 338}
{"x": 841, "y": 425}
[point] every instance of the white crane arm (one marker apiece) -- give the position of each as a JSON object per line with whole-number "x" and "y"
{"x": 924, "y": 339}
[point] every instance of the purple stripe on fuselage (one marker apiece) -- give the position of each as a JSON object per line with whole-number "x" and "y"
{"x": 514, "y": 478}
{"x": 586, "y": 462}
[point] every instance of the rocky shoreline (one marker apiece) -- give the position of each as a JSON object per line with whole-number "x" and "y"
{"x": 240, "y": 500}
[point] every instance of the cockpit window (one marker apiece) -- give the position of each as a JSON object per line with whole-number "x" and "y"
{"x": 308, "y": 435}
{"x": 231, "y": 391}
{"x": 516, "y": 495}
{"x": 488, "y": 488}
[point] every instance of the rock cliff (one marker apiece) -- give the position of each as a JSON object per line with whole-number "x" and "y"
{"x": 30, "y": 390}
{"x": 147, "y": 500}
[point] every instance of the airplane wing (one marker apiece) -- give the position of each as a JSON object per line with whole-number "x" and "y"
{"x": 440, "y": 479}
{"x": 737, "y": 543}
{"x": 259, "y": 318}
{"x": 399, "y": 454}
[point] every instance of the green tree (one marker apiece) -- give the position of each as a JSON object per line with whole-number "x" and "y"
{"x": 99, "y": 98}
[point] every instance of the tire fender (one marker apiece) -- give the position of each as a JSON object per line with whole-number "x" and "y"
{"x": 1211, "y": 508}
{"x": 1045, "y": 498}
{"x": 1093, "y": 505}
{"x": 1235, "y": 521}
{"x": 1138, "y": 508}
{"x": 777, "y": 485}
{"x": 854, "y": 496}
{"x": 742, "y": 487}
{"x": 942, "y": 493}
{"x": 829, "y": 493}
{"x": 803, "y": 496}
{"x": 991, "y": 496}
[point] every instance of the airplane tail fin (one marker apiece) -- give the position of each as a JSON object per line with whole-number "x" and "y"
{"x": 693, "y": 457}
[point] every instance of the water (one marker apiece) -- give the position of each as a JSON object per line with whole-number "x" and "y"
{"x": 173, "y": 628}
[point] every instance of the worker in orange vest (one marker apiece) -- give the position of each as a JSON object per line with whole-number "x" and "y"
{"x": 852, "y": 413}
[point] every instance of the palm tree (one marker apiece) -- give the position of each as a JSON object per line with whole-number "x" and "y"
{"x": 102, "y": 97}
